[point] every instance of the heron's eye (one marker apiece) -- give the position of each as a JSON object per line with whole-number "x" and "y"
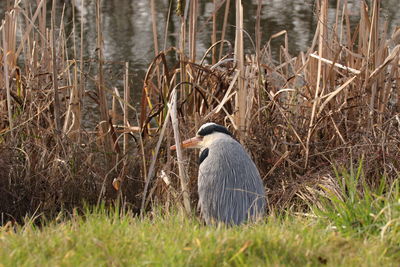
{"x": 203, "y": 155}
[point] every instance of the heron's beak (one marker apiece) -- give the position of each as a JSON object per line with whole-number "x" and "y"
{"x": 189, "y": 143}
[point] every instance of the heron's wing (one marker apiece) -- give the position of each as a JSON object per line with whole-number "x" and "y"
{"x": 230, "y": 188}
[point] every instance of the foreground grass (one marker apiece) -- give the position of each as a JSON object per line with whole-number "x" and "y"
{"x": 99, "y": 239}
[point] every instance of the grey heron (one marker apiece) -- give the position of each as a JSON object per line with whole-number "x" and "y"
{"x": 229, "y": 184}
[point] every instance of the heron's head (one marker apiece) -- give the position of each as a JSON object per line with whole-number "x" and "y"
{"x": 208, "y": 133}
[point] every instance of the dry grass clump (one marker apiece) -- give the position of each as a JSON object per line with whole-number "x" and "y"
{"x": 51, "y": 159}
{"x": 336, "y": 103}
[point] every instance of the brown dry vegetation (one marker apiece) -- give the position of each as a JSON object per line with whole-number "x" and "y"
{"x": 336, "y": 103}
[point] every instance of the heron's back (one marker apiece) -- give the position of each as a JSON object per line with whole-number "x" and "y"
{"x": 230, "y": 187}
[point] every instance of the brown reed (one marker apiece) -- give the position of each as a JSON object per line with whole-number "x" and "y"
{"x": 298, "y": 115}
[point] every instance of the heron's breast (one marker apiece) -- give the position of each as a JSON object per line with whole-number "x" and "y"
{"x": 223, "y": 160}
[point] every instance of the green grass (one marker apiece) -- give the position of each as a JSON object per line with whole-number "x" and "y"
{"x": 359, "y": 208}
{"x": 100, "y": 238}
{"x": 353, "y": 225}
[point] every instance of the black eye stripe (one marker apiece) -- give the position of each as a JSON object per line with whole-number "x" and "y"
{"x": 203, "y": 155}
{"x": 213, "y": 128}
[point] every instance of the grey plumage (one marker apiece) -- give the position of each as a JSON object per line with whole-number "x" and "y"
{"x": 229, "y": 184}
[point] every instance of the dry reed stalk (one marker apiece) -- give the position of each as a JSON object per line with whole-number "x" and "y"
{"x": 11, "y": 37}
{"x": 63, "y": 62}
{"x": 223, "y": 31}
{"x": 240, "y": 100}
{"x": 6, "y": 78}
{"x": 288, "y": 68}
{"x": 394, "y": 72}
{"x": 193, "y": 29}
{"x": 364, "y": 29}
{"x": 214, "y": 34}
{"x": 146, "y": 98}
{"x": 9, "y": 30}
{"x": 212, "y": 112}
{"x": 330, "y": 62}
{"x": 228, "y": 94}
{"x": 335, "y": 31}
{"x": 72, "y": 121}
{"x": 392, "y": 56}
{"x": 125, "y": 105}
{"x": 73, "y": 4}
{"x": 347, "y": 31}
{"x": 182, "y": 173}
{"x": 81, "y": 80}
{"x": 155, "y": 38}
{"x": 335, "y": 50}
{"x": 113, "y": 114}
{"x": 382, "y": 52}
{"x": 251, "y": 85}
{"x": 108, "y": 144}
{"x": 371, "y": 50}
{"x": 74, "y": 105}
{"x": 74, "y": 108}
{"x": 57, "y": 119}
{"x": 151, "y": 171}
{"x": 127, "y": 93}
{"x": 332, "y": 94}
{"x": 42, "y": 29}
{"x": 192, "y": 38}
{"x": 322, "y": 21}
{"x": 182, "y": 58}
{"x": 154, "y": 26}
{"x": 166, "y": 26}
{"x": 258, "y": 30}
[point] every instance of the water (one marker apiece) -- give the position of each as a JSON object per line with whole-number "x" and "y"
{"x": 128, "y": 27}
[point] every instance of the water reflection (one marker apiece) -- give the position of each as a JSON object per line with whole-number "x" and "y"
{"x": 128, "y": 29}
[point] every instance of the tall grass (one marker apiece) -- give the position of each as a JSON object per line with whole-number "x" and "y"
{"x": 297, "y": 114}
{"x": 359, "y": 207}
{"x": 105, "y": 238}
